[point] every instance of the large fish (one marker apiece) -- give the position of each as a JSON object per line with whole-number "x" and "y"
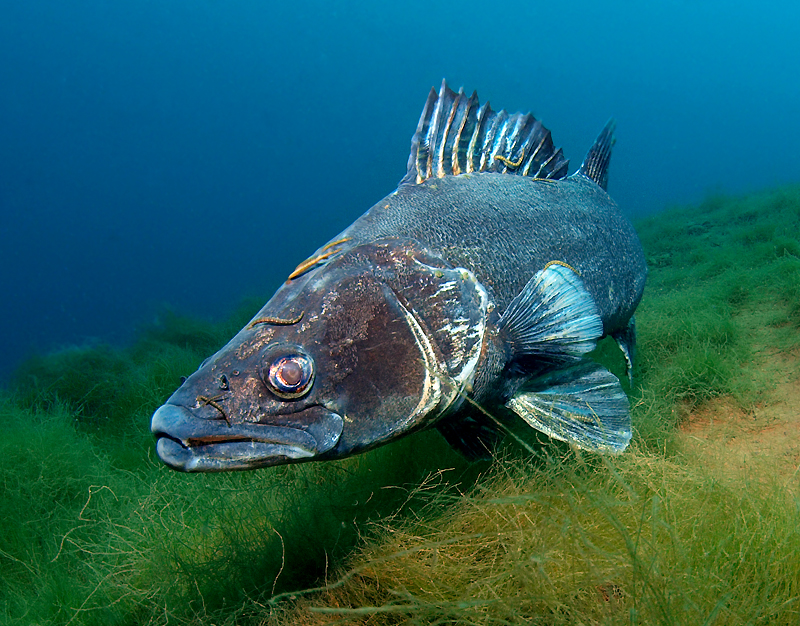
{"x": 468, "y": 296}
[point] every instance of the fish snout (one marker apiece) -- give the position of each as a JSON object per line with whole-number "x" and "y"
{"x": 191, "y": 444}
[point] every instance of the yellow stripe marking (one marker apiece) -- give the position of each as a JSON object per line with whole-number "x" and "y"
{"x": 309, "y": 263}
{"x": 508, "y": 163}
{"x": 569, "y": 267}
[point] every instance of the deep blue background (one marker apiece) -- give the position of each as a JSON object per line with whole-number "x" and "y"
{"x": 190, "y": 152}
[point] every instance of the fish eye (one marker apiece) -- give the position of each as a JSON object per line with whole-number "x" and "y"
{"x": 291, "y": 375}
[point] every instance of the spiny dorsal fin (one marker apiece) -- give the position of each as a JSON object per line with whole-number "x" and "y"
{"x": 595, "y": 165}
{"x": 457, "y": 136}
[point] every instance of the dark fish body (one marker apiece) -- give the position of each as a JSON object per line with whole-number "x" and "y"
{"x": 467, "y": 297}
{"x": 506, "y": 228}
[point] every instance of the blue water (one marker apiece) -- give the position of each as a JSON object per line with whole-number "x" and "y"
{"x": 187, "y": 153}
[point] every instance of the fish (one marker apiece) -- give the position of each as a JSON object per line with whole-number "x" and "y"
{"x": 465, "y": 300}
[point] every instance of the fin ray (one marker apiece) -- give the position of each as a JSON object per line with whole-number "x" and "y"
{"x": 420, "y": 158}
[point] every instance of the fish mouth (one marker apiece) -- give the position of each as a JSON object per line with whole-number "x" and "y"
{"x": 190, "y": 444}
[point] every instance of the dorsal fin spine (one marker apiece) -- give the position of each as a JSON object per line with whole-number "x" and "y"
{"x": 419, "y": 161}
{"x": 483, "y": 140}
{"x": 498, "y": 138}
{"x": 477, "y": 133}
{"x": 438, "y": 126}
{"x": 531, "y": 158}
{"x": 430, "y": 136}
{"x": 562, "y": 169}
{"x": 505, "y": 143}
{"x": 522, "y": 140}
{"x": 515, "y": 144}
{"x": 461, "y": 142}
{"x": 446, "y": 138}
{"x": 543, "y": 170}
{"x": 455, "y": 126}
{"x": 446, "y": 161}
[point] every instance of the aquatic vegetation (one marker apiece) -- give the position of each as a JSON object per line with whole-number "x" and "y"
{"x": 63, "y": 509}
{"x": 684, "y": 528}
{"x": 107, "y": 535}
{"x": 633, "y": 539}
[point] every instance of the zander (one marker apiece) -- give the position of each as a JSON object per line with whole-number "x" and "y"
{"x": 466, "y": 298}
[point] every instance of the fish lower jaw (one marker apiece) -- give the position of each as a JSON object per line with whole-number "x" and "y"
{"x": 225, "y": 456}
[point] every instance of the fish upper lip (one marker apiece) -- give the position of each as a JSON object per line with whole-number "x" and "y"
{"x": 191, "y": 444}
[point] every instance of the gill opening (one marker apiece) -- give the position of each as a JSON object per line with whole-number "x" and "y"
{"x": 206, "y": 401}
{"x": 326, "y": 252}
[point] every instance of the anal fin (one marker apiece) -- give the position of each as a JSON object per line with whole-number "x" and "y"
{"x": 583, "y": 405}
{"x": 626, "y": 340}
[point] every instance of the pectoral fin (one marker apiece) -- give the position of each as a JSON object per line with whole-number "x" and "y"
{"x": 583, "y": 405}
{"x": 553, "y": 320}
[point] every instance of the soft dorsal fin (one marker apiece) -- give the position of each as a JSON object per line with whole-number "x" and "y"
{"x": 595, "y": 165}
{"x": 456, "y": 135}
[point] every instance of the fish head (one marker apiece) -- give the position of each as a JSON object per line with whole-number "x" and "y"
{"x": 381, "y": 340}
